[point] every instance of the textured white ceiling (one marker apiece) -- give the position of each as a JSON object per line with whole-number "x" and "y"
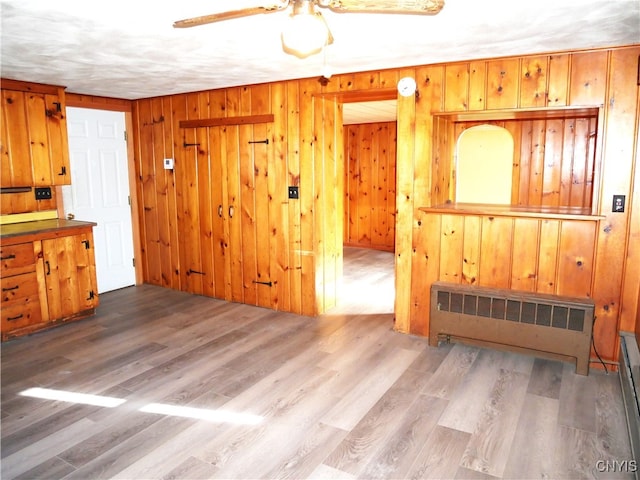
{"x": 129, "y": 49}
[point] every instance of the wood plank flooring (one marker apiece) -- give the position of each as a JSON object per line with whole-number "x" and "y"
{"x": 209, "y": 389}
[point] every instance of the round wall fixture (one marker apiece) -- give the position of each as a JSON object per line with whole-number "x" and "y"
{"x": 406, "y": 86}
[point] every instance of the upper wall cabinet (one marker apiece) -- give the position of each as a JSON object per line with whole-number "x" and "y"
{"x": 34, "y": 149}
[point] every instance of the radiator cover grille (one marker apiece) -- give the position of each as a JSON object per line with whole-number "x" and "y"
{"x": 546, "y": 325}
{"x": 500, "y": 308}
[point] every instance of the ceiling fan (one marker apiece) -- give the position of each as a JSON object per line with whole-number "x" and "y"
{"x": 307, "y": 31}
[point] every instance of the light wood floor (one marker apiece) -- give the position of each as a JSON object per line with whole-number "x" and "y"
{"x": 209, "y": 389}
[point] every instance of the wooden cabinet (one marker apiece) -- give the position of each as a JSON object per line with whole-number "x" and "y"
{"x": 48, "y": 277}
{"x": 20, "y": 299}
{"x": 34, "y": 146}
{"x": 69, "y": 272}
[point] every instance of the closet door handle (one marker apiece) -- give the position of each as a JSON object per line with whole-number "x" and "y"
{"x": 231, "y": 211}
{"x": 220, "y": 211}
{"x": 46, "y": 262}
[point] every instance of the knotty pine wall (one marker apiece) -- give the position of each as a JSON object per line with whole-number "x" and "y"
{"x": 597, "y": 78}
{"x": 370, "y": 185}
{"x": 25, "y": 202}
{"x": 307, "y": 140}
{"x": 190, "y": 244}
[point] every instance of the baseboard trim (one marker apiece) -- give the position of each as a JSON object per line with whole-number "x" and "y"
{"x": 629, "y": 373}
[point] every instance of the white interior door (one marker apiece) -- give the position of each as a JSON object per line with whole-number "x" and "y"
{"x": 99, "y": 191}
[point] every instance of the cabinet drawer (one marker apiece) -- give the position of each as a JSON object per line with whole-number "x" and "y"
{"x": 16, "y": 259}
{"x": 20, "y": 313}
{"x": 18, "y": 286}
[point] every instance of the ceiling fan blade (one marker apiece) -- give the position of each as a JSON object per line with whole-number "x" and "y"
{"x": 411, "y": 7}
{"x": 218, "y": 17}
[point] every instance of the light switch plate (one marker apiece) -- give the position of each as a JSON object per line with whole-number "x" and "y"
{"x": 168, "y": 163}
{"x": 293, "y": 192}
{"x": 618, "y": 204}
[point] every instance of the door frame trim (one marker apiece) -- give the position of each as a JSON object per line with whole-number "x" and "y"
{"x": 125, "y": 106}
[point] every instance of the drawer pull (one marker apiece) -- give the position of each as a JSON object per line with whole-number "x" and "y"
{"x": 8, "y": 289}
{"x": 17, "y": 317}
{"x": 8, "y": 257}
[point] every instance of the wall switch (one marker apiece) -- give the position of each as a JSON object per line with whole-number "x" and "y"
{"x": 43, "y": 193}
{"x": 293, "y": 192}
{"x": 618, "y": 204}
{"x": 168, "y": 164}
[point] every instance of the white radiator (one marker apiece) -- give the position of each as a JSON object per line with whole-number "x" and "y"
{"x": 545, "y": 325}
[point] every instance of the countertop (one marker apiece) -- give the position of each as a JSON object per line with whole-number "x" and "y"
{"x": 567, "y": 213}
{"x": 42, "y": 229}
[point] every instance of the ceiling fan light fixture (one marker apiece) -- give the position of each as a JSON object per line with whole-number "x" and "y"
{"x": 305, "y": 32}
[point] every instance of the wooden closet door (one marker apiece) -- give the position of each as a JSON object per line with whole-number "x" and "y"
{"x": 229, "y": 150}
{"x": 220, "y": 233}
{"x": 248, "y": 213}
{"x": 226, "y": 214}
{"x": 262, "y": 153}
{"x": 232, "y": 216}
{"x": 245, "y": 214}
{"x": 190, "y": 200}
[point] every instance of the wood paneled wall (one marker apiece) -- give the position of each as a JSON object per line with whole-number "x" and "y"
{"x": 370, "y": 185}
{"x": 306, "y": 136}
{"x": 604, "y": 78}
{"x": 556, "y": 162}
{"x": 25, "y": 202}
{"x": 550, "y": 256}
{"x": 202, "y": 220}
{"x": 328, "y": 188}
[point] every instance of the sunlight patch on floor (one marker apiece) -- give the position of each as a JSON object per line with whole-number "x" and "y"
{"x": 218, "y": 416}
{"x": 72, "y": 397}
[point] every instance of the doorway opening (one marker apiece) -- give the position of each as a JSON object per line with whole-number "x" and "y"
{"x": 369, "y": 134}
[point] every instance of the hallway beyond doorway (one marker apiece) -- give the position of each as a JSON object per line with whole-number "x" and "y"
{"x": 368, "y": 284}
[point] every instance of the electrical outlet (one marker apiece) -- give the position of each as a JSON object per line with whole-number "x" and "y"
{"x": 43, "y": 193}
{"x": 293, "y": 192}
{"x": 618, "y": 204}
